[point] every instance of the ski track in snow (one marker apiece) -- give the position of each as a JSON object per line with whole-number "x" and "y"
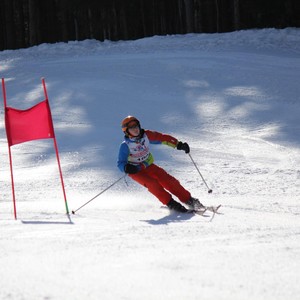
{"x": 233, "y": 97}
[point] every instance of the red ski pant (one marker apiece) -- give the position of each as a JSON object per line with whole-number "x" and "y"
{"x": 159, "y": 182}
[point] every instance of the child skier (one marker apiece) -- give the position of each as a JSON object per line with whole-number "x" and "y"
{"x": 136, "y": 160}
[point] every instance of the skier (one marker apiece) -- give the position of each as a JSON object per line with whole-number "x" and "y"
{"x": 136, "y": 160}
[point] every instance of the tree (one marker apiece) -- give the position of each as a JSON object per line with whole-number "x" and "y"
{"x": 25, "y": 23}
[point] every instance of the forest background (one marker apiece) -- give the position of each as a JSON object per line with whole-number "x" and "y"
{"x": 25, "y": 23}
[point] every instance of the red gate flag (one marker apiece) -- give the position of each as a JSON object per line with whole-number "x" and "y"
{"x": 30, "y": 124}
{"x": 27, "y": 125}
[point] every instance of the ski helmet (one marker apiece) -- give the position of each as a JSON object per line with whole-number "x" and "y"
{"x": 129, "y": 120}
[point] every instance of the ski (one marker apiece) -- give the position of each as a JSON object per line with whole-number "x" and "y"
{"x": 197, "y": 211}
{"x": 213, "y": 208}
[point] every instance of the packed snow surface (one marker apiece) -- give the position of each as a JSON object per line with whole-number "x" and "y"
{"x": 233, "y": 97}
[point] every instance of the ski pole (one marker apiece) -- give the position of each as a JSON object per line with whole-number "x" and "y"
{"x": 209, "y": 190}
{"x": 74, "y": 211}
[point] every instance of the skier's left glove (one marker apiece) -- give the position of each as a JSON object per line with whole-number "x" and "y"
{"x": 131, "y": 169}
{"x": 183, "y": 146}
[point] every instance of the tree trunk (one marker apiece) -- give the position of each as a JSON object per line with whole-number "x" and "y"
{"x": 90, "y": 20}
{"x": 32, "y": 24}
{"x": 189, "y": 15}
{"x": 19, "y": 24}
{"x": 9, "y": 34}
{"x": 217, "y": 16}
{"x": 236, "y": 14}
{"x": 76, "y": 27}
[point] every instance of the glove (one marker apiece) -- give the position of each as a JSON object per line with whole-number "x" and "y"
{"x": 183, "y": 146}
{"x": 176, "y": 206}
{"x": 131, "y": 169}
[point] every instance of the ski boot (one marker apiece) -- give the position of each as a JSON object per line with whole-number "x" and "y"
{"x": 173, "y": 205}
{"x": 195, "y": 204}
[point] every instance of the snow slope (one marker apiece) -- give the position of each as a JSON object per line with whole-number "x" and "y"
{"x": 233, "y": 97}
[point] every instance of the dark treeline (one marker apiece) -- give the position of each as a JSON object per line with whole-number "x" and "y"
{"x": 24, "y": 23}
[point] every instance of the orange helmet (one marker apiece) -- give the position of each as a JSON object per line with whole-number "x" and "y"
{"x": 128, "y": 121}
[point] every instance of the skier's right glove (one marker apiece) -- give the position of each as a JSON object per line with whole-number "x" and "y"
{"x": 176, "y": 206}
{"x": 131, "y": 169}
{"x": 183, "y": 146}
